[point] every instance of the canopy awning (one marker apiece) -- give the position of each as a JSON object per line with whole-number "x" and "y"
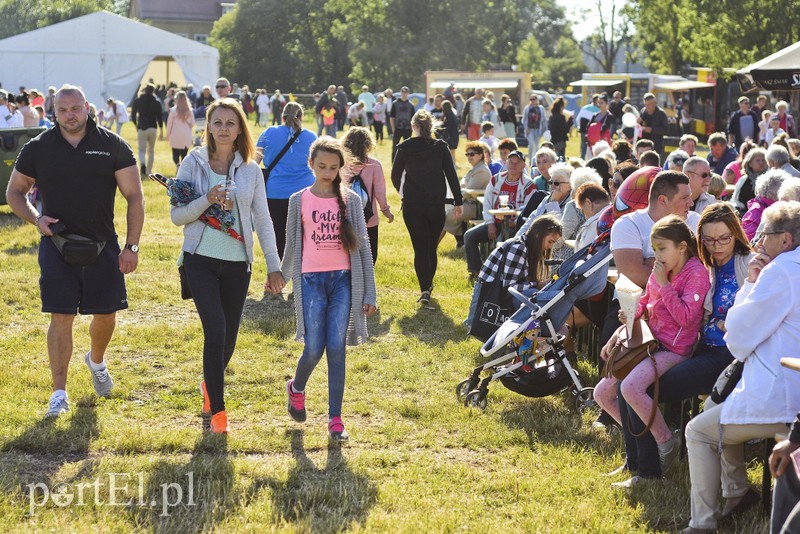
{"x": 778, "y": 72}
{"x": 596, "y": 83}
{"x": 686, "y": 85}
{"x": 483, "y": 83}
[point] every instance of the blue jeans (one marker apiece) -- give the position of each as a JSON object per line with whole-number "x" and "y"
{"x": 331, "y": 130}
{"x": 472, "y": 240}
{"x": 695, "y": 376}
{"x": 533, "y": 137}
{"x": 326, "y": 313}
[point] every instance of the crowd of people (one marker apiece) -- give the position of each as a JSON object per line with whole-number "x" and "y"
{"x": 707, "y": 263}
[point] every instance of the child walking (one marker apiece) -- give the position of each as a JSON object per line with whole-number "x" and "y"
{"x": 672, "y": 305}
{"x": 328, "y": 258}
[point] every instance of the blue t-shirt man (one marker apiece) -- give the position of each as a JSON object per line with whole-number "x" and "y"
{"x": 292, "y": 172}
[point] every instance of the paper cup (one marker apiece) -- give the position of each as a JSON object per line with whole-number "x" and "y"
{"x": 629, "y": 295}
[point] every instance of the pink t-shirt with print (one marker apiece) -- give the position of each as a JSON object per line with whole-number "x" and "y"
{"x": 322, "y": 244}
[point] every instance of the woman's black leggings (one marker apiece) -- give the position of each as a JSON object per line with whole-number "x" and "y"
{"x": 372, "y": 233}
{"x": 219, "y": 289}
{"x": 425, "y": 224}
{"x": 279, "y": 211}
{"x": 178, "y": 154}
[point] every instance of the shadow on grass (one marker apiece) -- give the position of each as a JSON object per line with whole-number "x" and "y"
{"x": 328, "y": 499}
{"x": 21, "y": 250}
{"x": 8, "y": 220}
{"x": 271, "y": 315}
{"x": 432, "y": 326}
{"x": 377, "y": 326}
{"x": 37, "y": 455}
{"x": 193, "y": 496}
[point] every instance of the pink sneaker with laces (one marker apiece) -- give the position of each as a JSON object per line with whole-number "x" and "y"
{"x": 336, "y": 430}
{"x": 297, "y": 403}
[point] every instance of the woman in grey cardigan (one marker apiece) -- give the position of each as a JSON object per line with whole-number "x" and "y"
{"x": 218, "y": 262}
{"x": 328, "y": 257}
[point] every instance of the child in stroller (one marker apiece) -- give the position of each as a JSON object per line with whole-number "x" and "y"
{"x": 526, "y": 353}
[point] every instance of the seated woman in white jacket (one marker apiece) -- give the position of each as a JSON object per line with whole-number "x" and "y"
{"x": 762, "y": 326}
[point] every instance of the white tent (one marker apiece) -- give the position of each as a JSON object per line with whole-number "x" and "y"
{"x": 103, "y": 53}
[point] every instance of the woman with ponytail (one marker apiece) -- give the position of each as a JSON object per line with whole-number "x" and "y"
{"x": 291, "y": 173}
{"x": 328, "y": 258}
{"x": 429, "y": 168}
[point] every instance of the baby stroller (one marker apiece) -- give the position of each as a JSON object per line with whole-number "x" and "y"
{"x": 526, "y": 353}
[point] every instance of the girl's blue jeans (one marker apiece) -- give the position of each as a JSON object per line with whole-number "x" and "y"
{"x": 326, "y": 314}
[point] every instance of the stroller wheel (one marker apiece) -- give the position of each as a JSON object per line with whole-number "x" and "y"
{"x": 476, "y": 399}
{"x": 463, "y": 388}
{"x": 584, "y": 400}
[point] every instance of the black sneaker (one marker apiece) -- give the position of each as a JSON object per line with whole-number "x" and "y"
{"x": 424, "y": 298}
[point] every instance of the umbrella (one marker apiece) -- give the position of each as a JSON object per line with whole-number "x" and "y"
{"x": 778, "y": 72}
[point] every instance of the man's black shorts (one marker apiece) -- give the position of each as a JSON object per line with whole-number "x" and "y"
{"x": 96, "y": 289}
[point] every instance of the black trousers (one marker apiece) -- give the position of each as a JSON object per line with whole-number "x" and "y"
{"x": 372, "y": 233}
{"x": 398, "y": 135}
{"x": 425, "y": 224}
{"x": 178, "y": 154}
{"x": 279, "y": 211}
{"x": 219, "y": 289}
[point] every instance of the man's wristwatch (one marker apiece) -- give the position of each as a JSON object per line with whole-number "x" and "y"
{"x": 36, "y": 224}
{"x": 132, "y": 248}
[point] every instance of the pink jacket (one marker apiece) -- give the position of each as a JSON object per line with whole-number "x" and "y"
{"x": 374, "y": 180}
{"x": 179, "y": 133}
{"x": 675, "y": 310}
{"x": 751, "y": 219}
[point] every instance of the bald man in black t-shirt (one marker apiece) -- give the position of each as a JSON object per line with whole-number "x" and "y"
{"x": 77, "y": 167}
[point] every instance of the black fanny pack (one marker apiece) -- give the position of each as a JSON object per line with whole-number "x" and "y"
{"x": 77, "y": 250}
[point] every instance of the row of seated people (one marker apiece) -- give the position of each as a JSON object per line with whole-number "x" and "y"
{"x": 703, "y": 287}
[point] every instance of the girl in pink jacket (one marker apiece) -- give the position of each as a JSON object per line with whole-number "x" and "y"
{"x": 672, "y": 305}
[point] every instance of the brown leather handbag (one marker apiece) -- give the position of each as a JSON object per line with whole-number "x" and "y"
{"x": 629, "y": 352}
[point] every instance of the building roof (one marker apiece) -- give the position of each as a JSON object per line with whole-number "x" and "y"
{"x": 209, "y": 10}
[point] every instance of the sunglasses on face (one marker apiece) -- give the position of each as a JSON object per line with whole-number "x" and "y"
{"x": 704, "y": 175}
{"x": 221, "y": 86}
{"x": 553, "y": 184}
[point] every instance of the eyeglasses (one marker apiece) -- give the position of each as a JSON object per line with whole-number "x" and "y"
{"x": 722, "y": 241}
{"x": 552, "y": 183}
{"x": 470, "y": 154}
{"x": 222, "y": 86}
{"x": 765, "y": 233}
{"x": 704, "y": 175}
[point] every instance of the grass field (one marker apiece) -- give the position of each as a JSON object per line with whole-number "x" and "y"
{"x": 417, "y": 460}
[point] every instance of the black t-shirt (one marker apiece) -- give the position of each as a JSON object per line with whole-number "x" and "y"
{"x": 402, "y": 112}
{"x": 77, "y": 184}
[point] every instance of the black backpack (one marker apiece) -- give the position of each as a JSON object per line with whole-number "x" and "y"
{"x": 358, "y": 186}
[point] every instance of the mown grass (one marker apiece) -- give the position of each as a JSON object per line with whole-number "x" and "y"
{"x": 417, "y": 460}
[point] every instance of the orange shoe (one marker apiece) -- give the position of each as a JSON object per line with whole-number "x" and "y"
{"x": 219, "y": 423}
{"x": 206, "y": 400}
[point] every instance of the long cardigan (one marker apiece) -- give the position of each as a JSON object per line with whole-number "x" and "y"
{"x": 362, "y": 274}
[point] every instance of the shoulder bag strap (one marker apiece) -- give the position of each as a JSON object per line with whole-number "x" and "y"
{"x": 281, "y": 154}
{"x": 655, "y": 402}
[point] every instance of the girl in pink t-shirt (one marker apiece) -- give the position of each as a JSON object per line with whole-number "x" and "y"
{"x": 328, "y": 257}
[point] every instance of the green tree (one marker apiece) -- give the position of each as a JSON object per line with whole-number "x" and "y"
{"x": 612, "y": 33}
{"x": 718, "y": 34}
{"x": 272, "y": 43}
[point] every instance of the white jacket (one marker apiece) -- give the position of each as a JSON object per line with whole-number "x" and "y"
{"x": 764, "y": 326}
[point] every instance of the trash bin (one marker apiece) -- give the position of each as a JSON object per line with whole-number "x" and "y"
{"x": 11, "y": 142}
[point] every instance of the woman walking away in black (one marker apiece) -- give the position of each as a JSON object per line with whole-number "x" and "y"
{"x": 427, "y": 163}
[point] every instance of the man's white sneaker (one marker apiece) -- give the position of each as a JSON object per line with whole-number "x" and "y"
{"x": 101, "y": 380}
{"x": 57, "y": 406}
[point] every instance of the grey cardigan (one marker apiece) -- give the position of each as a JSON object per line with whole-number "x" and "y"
{"x": 250, "y": 197}
{"x": 362, "y": 273}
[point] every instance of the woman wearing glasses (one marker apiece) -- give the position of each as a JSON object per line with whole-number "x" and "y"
{"x": 725, "y": 251}
{"x": 477, "y": 178}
